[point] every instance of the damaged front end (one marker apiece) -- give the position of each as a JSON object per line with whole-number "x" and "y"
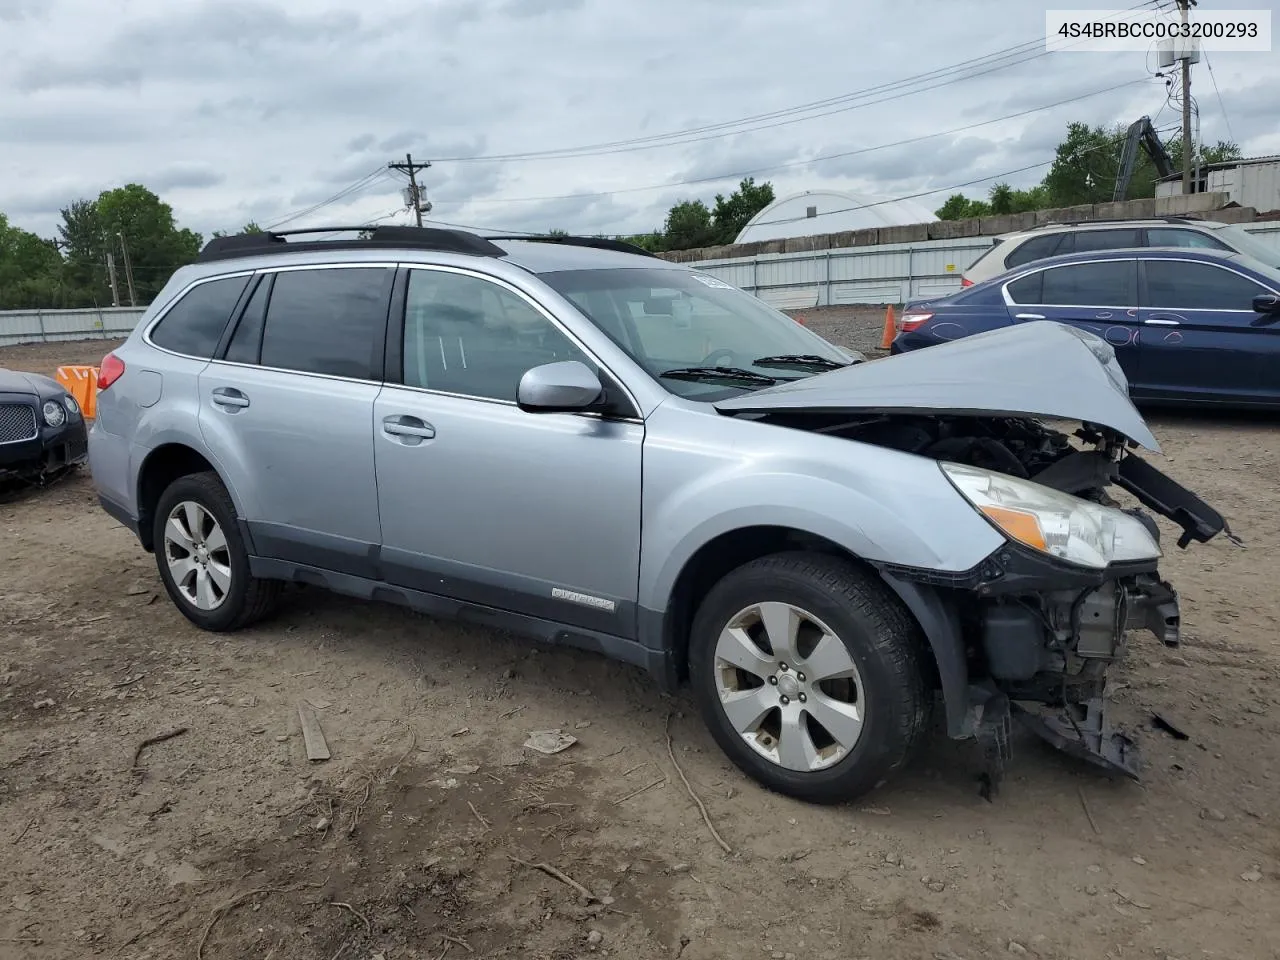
{"x": 1030, "y": 632}
{"x": 1027, "y": 635}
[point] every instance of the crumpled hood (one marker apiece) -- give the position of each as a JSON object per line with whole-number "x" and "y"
{"x": 1040, "y": 369}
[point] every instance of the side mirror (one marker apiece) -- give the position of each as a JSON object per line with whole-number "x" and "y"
{"x": 564, "y": 387}
{"x": 1266, "y": 303}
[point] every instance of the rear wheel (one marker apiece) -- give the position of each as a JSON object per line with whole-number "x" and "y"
{"x": 809, "y": 675}
{"x": 202, "y": 557}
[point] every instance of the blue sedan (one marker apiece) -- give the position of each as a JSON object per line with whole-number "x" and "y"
{"x": 1188, "y": 326}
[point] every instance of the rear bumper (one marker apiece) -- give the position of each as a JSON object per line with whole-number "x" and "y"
{"x": 119, "y": 513}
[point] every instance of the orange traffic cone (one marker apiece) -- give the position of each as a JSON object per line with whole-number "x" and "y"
{"x": 890, "y": 329}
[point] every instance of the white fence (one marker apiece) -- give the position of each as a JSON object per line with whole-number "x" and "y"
{"x": 886, "y": 273}
{"x": 51, "y": 326}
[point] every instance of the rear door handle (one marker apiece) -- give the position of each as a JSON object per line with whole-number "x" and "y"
{"x": 229, "y": 397}
{"x": 1028, "y": 316}
{"x": 409, "y": 430}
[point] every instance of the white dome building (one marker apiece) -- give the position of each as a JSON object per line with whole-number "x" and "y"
{"x": 816, "y": 212}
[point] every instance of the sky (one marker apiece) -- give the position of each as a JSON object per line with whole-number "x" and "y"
{"x": 238, "y": 110}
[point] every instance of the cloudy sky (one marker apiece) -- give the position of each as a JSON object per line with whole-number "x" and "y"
{"x": 261, "y": 109}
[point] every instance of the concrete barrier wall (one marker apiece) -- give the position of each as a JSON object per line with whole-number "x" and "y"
{"x": 884, "y": 273}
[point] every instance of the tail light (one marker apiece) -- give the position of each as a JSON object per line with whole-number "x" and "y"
{"x": 911, "y": 320}
{"x": 110, "y": 371}
{"x": 966, "y": 282}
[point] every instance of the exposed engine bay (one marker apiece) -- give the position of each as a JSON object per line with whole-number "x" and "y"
{"x": 1039, "y": 635}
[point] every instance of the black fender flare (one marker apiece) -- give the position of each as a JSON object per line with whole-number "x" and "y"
{"x": 941, "y": 626}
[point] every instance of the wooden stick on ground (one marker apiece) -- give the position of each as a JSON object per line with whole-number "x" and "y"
{"x": 1087, "y": 812}
{"x": 688, "y": 786}
{"x": 551, "y": 871}
{"x": 636, "y": 793}
{"x": 151, "y": 742}
{"x": 312, "y": 735}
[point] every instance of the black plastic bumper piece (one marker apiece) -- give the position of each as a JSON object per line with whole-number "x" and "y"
{"x": 1157, "y": 492}
{"x": 1083, "y": 731}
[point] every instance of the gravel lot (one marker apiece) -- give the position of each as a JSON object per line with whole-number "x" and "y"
{"x": 226, "y": 842}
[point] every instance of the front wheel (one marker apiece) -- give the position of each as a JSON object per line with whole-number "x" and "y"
{"x": 809, "y": 674}
{"x": 202, "y": 557}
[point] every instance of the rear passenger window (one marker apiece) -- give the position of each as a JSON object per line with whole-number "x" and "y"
{"x": 1027, "y": 289}
{"x": 1037, "y": 248}
{"x": 194, "y": 325}
{"x": 1087, "y": 240}
{"x": 1173, "y": 237}
{"x": 1109, "y": 283}
{"x": 329, "y": 321}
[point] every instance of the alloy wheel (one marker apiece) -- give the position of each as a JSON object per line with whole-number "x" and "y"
{"x": 195, "y": 549}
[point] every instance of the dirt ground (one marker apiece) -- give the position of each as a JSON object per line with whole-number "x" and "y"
{"x": 415, "y": 840}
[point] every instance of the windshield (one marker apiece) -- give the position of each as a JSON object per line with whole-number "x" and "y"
{"x": 673, "y": 322}
{"x": 1249, "y": 245}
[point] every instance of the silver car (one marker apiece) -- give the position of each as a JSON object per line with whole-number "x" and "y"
{"x": 568, "y": 438}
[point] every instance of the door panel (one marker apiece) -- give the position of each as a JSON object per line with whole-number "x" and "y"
{"x": 534, "y": 513}
{"x": 288, "y": 414}
{"x": 299, "y": 449}
{"x": 1201, "y": 338}
{"x": 1099, "y": 296}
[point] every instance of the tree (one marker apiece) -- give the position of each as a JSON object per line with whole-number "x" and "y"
{"x": 30, "y": 269}
{"x": 960, "y": 207}
{"x": 729, "y": 216}
{"x": 250, "y": 227}
{"x": 134, "y": 218}
{"x": 689, "y": 225}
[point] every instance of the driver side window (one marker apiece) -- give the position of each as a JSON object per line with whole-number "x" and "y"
{"x": 470, "y": 336}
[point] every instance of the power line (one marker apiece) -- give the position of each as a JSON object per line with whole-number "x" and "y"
{"x": 366, "y": 181}
{"x": 1015, "y": 54}
{"x": 1221, "y": 105}
{"x": 798, "y": 163}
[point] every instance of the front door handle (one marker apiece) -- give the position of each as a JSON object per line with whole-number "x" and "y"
{"x": 408, "y": 430}
{"x": 1028, "y": 316}
{"x": 229, "y": 397}
{"x": 1161, "y": 321}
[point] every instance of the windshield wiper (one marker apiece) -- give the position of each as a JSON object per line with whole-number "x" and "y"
{"x": 718, "y": 375}
{"x": 799, "y": 361}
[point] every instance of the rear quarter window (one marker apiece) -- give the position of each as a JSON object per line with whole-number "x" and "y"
{"x": 1037, "y": 248}
{"x": 193, "y": 326}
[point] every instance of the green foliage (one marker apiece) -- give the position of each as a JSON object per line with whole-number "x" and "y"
{"x": 691, "y": 223}
{"x": 130, "y": 222}
{"x": 1085, "y": 167}
{"x": 250, "y": 227}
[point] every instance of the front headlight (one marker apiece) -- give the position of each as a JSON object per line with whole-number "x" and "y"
{"x": 54, "y": 414}
{"x": 1055, "y": 523}
{"x": 73, "y": 408}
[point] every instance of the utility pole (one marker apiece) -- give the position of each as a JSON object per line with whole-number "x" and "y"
{"x": 111, "y": 274}
{"x": 1185, "y": 53}
{"x": 415, "y": 197}
{"x": 128, "y": 269}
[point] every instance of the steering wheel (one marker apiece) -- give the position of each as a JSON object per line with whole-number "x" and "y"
{"x": 710, "y": 359}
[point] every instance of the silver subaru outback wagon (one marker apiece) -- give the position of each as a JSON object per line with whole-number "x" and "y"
{"x": 583, "y": 443}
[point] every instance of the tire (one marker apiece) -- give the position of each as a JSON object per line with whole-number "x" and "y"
{"x": 836, "y": 602}
{"x": 237, "y": 598}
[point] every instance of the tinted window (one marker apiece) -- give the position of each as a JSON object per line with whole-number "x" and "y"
{"x": 195, "y": 323}
{"x": 1037, "y": 248}
{"x": 1112, "y": 283}
{"x": 1027, "y": 289}
{"x": 1177, "y": 284}
{"x": 247, "y": 339}
{"x": 1172, "y": 237}
{"x": 327, "y": 321}
{"x": 469, "y": 336}
{"x": 1087, "y": 240}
